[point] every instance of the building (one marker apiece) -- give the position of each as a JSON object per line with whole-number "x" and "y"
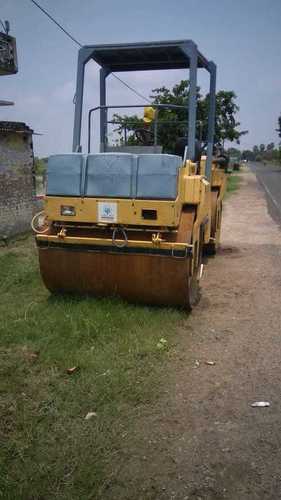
{"x": 17, "y": 179}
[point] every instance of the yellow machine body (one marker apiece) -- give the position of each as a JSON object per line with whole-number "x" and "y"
{"x": 191, "y": 190}
{"x": 174, "y": 240}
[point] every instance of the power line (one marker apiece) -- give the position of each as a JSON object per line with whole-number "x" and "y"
{"x": 80, "y": 45}
{"x": 58, "y": 24}
{"x": 4, "y": 27}
{"x": 131, "y": 88}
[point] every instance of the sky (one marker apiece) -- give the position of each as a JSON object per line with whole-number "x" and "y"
{"x": 243, "y": 37}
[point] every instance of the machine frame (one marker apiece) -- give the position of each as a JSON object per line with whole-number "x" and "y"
{"x": 175, "y": 54}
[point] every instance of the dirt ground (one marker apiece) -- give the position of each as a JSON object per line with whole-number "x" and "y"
{"x": 203, "y": 440}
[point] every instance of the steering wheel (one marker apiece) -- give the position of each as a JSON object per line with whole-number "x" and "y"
{"x": 144, "y": 136}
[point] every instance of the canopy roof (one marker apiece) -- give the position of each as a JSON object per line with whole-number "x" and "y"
{"x": 172, "y": 54}
{"x": 145, "y": 56}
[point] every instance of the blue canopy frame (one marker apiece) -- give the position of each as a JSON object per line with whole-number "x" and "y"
{"x": 148, "y": 56}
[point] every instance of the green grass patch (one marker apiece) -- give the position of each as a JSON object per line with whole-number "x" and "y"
{"x": 233, "y": 183}
{"x": 47, "y": 448}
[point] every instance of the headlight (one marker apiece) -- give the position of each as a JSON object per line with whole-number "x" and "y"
{"x": 67, "y": 210}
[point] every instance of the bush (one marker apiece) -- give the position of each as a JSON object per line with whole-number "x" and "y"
{"x": 39, "y": 165}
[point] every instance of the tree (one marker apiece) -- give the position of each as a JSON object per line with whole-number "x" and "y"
{"x": 226, "y": 124}
{"x": 265, "y": 152}
{"x": 248, "y": 155}
{"x": 234, "y": 152}
{"x": 173, "y": 123}
{"x": 269, "y": 152}
{"x": 40, "y": 165}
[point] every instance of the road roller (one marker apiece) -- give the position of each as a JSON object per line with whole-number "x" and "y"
{"x": 132, "y": 220}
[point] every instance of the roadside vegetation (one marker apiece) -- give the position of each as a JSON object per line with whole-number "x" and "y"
{"x": 264, "y": 153}
{"x": 233, "y": 183}
{"x": 40, "y": 165}
{"x": 269, "y": 153}
{"x": 48, "y": 449}
{"x": 172, "y": 122}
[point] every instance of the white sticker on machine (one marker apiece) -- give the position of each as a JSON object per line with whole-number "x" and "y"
{"x": 107, "y": 211}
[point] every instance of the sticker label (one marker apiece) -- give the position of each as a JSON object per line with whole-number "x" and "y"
{"x": 107, "y": 211}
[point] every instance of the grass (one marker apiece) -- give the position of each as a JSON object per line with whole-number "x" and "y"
{"x": 47, "y": 448}
{"x": 233, "y": 183}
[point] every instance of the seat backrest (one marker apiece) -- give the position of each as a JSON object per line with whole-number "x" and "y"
{"x": 157, "y": 176}
{"x": 116, "y": 175}
{"x": 111, "y": 174}
{"x": 64, "y": 175}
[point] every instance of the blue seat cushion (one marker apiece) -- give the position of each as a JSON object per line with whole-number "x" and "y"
{"x": 111, "y": 174}
{"x": 64, "y": 175}
{"x": 157, "y": 176}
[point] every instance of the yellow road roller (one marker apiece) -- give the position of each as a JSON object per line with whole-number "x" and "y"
{"x": 131, "y": 220}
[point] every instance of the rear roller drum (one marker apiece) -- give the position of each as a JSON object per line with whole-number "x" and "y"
{"x": 135, "y": 277}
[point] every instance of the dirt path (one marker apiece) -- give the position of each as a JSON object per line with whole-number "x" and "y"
{"x": 203, "y": 440}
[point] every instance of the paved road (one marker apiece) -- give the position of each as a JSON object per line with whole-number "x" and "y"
{"x": 269, "y": 178}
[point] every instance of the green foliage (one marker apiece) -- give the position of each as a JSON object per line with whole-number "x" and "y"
{"x": 266, "y": 153}
{"x": 172, "y": 123}
{"x": 248, "y": 155}
{"x": 234, "y": 153}
{"x": 233, "y": 183}
{"x": 226, "y": 124}
{"x": 269, "y": 153}
{"x": 125, "y": 125}
{"x": 263, "y": 153}
{"x": 47, "y": 448}
{"x": 40, "y": 165}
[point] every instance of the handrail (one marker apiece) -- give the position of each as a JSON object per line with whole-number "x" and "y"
{"x": 157, "y": 106}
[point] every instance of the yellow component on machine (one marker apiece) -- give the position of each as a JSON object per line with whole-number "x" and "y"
{"x": 218, "y": 187}
{"x": 148, "y": 114}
